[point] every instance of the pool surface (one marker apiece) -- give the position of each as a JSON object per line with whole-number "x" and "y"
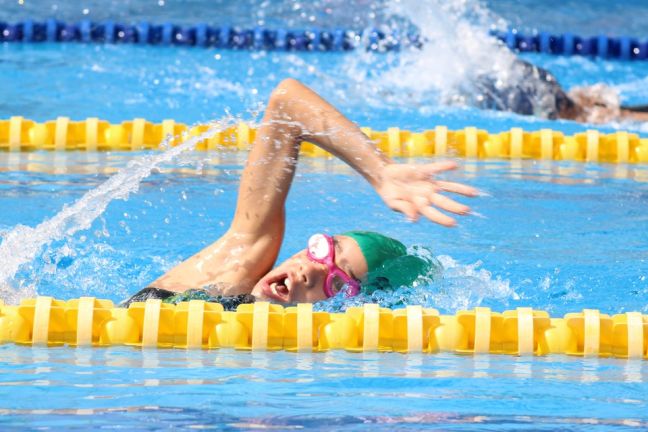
{"x": 555, "y": 236}
{"x": 120, "y": 388}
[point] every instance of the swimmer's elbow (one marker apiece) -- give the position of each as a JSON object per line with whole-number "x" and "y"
{"x": 289, "y": 84}
{"x": 287, "y": 89}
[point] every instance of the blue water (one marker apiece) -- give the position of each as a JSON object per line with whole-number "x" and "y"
{"x": 559, "y": 16}
{"x": 119, "y": 388}
{"x": 196, "y": 85}
{"x": 556, "y": 236}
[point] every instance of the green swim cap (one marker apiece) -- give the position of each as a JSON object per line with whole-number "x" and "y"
{"x": 389, "y": 265}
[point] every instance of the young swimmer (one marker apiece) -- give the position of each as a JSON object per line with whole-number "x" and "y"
{"x": 238, "y": 267}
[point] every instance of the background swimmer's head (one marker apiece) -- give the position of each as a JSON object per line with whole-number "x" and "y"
{"x": 377, "y": 261}
{"x": 594, "y": 104}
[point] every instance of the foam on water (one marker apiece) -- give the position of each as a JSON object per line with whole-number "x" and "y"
{"x": 456, "y": 286}
{"x": 455, "y": 52}
{"x": 445, "y": 69}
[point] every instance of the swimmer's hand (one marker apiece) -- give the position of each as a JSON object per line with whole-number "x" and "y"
{"x": 412, "y": 190}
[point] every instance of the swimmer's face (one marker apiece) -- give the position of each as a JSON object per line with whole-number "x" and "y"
{"x": 300, "y": 280}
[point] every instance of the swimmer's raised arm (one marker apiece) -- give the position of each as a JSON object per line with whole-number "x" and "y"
{"x": 302, "y": 115}
{"x": 295, "y": 114}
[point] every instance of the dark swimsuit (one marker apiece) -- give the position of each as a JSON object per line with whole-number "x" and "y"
{"x": 229, "y": 302}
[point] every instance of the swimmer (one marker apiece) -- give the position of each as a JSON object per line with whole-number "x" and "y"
{"x": 238, "y": 267}
{"x": 532, "y": 90}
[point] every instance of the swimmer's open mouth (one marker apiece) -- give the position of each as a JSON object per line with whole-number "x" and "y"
{"x": 278, "y": 287}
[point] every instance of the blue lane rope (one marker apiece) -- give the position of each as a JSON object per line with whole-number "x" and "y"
{"x": 623, "y": 48}
{"x": 204, "y": 35}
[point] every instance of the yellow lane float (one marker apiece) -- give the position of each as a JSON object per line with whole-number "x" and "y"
{"x": 18, "y": 134}
{"x": 87, "y": 321}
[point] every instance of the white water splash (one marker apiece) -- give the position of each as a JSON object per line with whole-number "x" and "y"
{"x": 22, "y": 244}
{"x": 458, "y": 287}
{"x": 455, "y": 53}
{"x": 467, "y": 286}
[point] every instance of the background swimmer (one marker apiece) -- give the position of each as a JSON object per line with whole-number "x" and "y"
{"x": 533, "y": 90}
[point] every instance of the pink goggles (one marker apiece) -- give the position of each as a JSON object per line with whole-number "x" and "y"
{"x": 321, "y": 249}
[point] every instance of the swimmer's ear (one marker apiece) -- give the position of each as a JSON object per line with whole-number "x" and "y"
{"x": 635, "y": 108}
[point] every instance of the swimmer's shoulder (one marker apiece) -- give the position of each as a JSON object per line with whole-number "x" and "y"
{"x": 232, "y": 265}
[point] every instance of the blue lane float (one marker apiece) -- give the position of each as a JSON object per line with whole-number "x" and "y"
{"x": 258, "y": 38}
{"x": 203, "y": 35}
{"x": 621, "y": 48}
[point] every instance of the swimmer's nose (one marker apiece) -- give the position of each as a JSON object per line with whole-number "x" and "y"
{"x": 303, "y": 276}
{"x": 308, "y": 275}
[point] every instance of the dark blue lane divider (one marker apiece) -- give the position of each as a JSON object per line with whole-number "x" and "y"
{"x": 623, "y": 48}
{"x": 205, "y": 36}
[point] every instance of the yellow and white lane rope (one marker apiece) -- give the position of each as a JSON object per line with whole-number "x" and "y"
{"x": 22, "y": 135}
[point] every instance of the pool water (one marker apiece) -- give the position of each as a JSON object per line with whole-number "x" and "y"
{"x": 556, "y": 236}
{"x": 579, "y": 241}
{"x": 120, "y": 388}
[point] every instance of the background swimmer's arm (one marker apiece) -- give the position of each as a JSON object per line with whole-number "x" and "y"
{"x": 248, "y": 250}
{"x": 634, "y": 115}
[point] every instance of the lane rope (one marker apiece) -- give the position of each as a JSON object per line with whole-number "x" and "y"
{"x": 18, "y": 134}
{"x": 263, "y": 326}
{"x": 314, "y": 39}
{"x": 608, "y": 47}
{"x": 203, "y": 35}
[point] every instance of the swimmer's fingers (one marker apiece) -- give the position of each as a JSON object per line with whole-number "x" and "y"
{"x": 447, "y": 204}
{"x": 443, "y": 203}
{"x": 420, "y": 171}
{"x": 421, "y": 189}
{"x": 421, "y": 206}
{"x": 429, "y": 170}
{"x": 457, "y": 188}
{"x": 405, "y": 207}
{"x": 436, "y": 216}
{"x": 430, "y": 192}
